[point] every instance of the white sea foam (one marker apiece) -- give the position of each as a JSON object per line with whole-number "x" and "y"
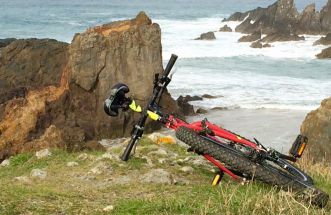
{"x": 178, "y": 36}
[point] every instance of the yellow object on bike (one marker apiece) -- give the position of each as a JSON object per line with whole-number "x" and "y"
{"x": 133, "y": 106}
{"x": 153, "y": 115}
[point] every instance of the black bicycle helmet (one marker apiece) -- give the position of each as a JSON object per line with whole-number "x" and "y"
{"x": 116, "y": 99}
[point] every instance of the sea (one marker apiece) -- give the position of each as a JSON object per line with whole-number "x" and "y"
{"x": 285, "y": 76}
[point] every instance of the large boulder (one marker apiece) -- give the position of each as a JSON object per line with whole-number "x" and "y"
{"x": 317, "y": 127}
{"x": 225, "y": 28}
{"x": 54, "y": 92}
{"x": 309, "y": 21}
{"x": 325, "y": 54}
{"x": 324, "y": 40}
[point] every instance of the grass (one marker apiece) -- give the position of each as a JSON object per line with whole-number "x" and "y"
{"x": 72, "y": 190}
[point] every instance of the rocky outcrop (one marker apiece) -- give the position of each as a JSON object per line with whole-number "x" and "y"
{"x": 250, "y": 38}
{"x": 225, "y": 28}
{"x": 207, "y": 36}
{"x": 317, "y": 127}
{"x": 282, "y": 16}
{"x": 324, "y": 40}
{"x": 54, "y": 92}
{"x": 325, "y": 54}
{"x": 281, "y": 37}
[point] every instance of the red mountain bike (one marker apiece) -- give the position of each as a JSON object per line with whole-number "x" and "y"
{"x": 231, "y": 153}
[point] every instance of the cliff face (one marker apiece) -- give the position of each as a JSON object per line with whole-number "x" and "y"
{"x": 317, "y": 127}
{"x": 58, "y": 101}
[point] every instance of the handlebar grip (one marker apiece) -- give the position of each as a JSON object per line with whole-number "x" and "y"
{"x": 126, "y": 154}
{"x": 170, "y": 64}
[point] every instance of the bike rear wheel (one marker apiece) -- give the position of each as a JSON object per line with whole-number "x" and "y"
{"x": 238, "y": 162}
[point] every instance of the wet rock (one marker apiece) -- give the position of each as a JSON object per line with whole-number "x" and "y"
{"x": 251, "y": 37}
{"x": 185, "y": 108}
{"x": 5, "y": 163}
{"x": 256, "y": 45}
{"x": 192, "y": 98}
{"x": 157, "y": 176}
{"x": 225, "y": 28}
{"x": 324, "y": 40}
{"x": 207, "y": 36}
{"x": 207, "y": 96}
{"x": 326, "y": 17}
{"x": 201, "y": 111}
{"x": 43, "y": 153}
{"x": 187, "y": 169}
{"x": 38, "y": 173}
{"x": 281, "y": 37}
{"x": 325, "y": 54}
{"x": 72, "y": 164}
{"x": 309, "y": 21}
{"x": 266, "y": 45}
{"x": 219, "y": 108}
{"x": 317, "y": 127}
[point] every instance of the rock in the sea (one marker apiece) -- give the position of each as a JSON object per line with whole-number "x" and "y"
{"x": 38, "y": 173}
{"x": 157, "y": 176}
{"x": 250, "y": 38}
{"x": 207, "y": 96}
{"x": 256, "y": 45}
{"x": 6, "y": 42}
{"x": 317, "y": 127}
{"x": 266, "y": 45}
{"x": 282, "y": 16}
{"x": 192, "y": 98}
{"x": 281, "y": 37}
{"x": 325, "y": 54}
{"x": 324, "y": 40}
{"x": 185, "y": 108}
{"x": 43, "y": 153}
{"x": 207, "y": 36}
{"x": 225, "y": 28}
{"x": 201, "y": 111}
{"x": 326, "y": 17}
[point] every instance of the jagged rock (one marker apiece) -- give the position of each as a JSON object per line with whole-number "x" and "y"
{"x": 326, "y": 53}
{"x": 43, "y": 153}
{"x": 201, "y": 111}
{"x": 225, "y": 28}
{"x": 309, "y": 21}
{"x": 5, "y": 163}
{"x": 6, "y": 42}
{"x": 185, "y": 108}
{"x": 281, "y": 37}
{"x": 187, "y": 169}
{"x": 207, "y": 36}
{"x": 207, "y": 96}
{"x": 256, "y": 45}
{"x": 324, "y": 40}
{"x": 50, "y": 86}
{"x": 38, "y": 173}
{"x": 326, "y": 17}
{"x": 250, "y": 38}
{"x": 157, "y": 176}
{"x": 317, "y": 127}
{"x": 72, "y": 164}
